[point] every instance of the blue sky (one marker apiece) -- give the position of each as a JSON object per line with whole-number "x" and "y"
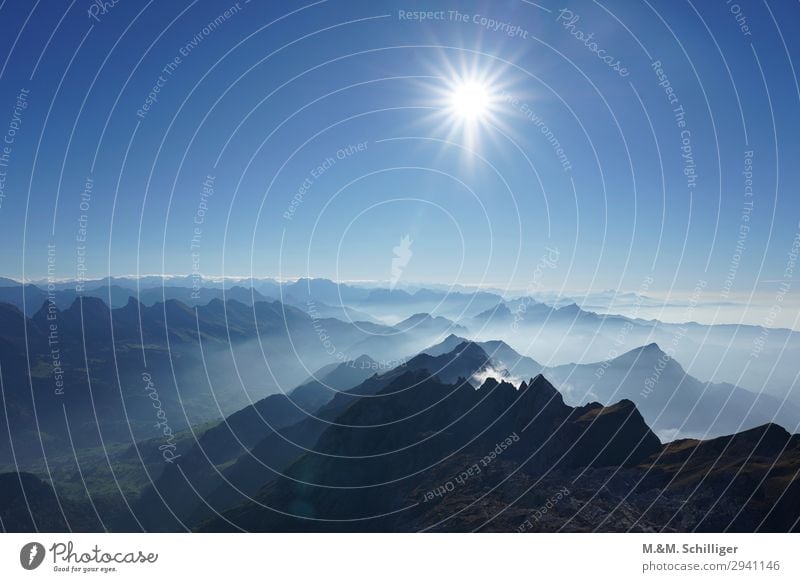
{"x": 278, "y": 88}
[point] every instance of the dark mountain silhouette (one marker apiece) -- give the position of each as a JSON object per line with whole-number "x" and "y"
{"x": 375, "y": 463}
{"x": 747, "y": 482}
{"x": 421, "y": 453}
{"x": 280, "y": 445}
{"x": 508, "y": 361}
{"x": 491, "y": 459}
{"x": 28, "y": 504}
{"x": 323, "y": 387}
{"x": 672, "y": 402}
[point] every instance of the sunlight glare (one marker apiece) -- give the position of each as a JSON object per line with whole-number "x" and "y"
{"x": 470, "y": 101}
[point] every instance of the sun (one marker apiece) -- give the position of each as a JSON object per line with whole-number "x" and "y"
{"x": 470, "y": 101}
{"x": 466, "y": 102}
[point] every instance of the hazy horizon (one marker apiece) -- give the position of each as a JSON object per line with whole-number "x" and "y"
{"x": 676, "y": 307}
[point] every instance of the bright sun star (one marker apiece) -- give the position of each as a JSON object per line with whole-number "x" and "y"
{"x": 467, "y": 103}
{"x": 470, "y": 101}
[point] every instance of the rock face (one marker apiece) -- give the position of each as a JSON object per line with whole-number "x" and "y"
{"x": 424, "y": 448}
{"x": 397, "y": 460}
{"x": 427, "y": 455}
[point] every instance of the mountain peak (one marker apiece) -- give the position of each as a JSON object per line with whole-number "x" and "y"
{"x": 132, "y": 303}
{"x": 614, "y": 435}
{"x": 646, "y": 353}
{"x": 128, "y": 313}
{"x": 624, "y": 406}
{"x": 363, "y": 359}
{"x": 89, "y": 305}
{"x": 544, "y": 389}
{"x": 498, "y": 312}
{"x": 466, "y": 359}
{"x": 468, "y": 347}
{"x": 489, "y": 383}
{"x": 492, "y": 383}
{"x": 769, "y": 438}
{"x": 570, "y": 309}
{"x": 41, "y": 314}
{"x": 417, "y": 318}
{"x": 448, "y": 344}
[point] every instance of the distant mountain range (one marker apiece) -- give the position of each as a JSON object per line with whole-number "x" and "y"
{"x": 745, "y": 355}
{"x": 556, "y": 333}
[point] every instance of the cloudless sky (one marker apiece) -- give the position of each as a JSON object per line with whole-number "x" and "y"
{"x": 278, "y": 88}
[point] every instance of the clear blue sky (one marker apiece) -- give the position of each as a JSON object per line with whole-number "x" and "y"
{"x": 258, "y": 103}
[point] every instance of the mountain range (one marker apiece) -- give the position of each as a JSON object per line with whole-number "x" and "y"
{"x": 312, "y": 413}
{"x": 559, "y": 332}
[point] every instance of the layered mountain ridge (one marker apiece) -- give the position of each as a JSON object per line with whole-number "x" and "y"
{"x": 404, "y": 427}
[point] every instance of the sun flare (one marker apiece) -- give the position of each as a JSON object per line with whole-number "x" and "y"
{"x": 467, "y": 102}
{"x": 470, "y": 101}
